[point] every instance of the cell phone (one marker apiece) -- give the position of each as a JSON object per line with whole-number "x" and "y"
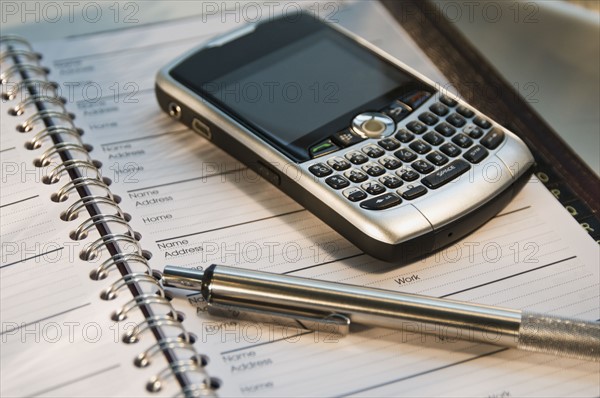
{"x": 364, "y": 142}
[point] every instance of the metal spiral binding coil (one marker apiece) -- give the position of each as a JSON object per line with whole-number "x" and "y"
{"x": 182, "y": 367}
{"x": 12, "y": 70}
{"x": 48, "y": 132}
{"x": 90, "y": 252}
{"x": 52, "y": 126}
{"x": 81, "y": 232}
{"x": 11, "y": 94}
{"x": 65, "y": 166}
{"x": 29, "y": 124}
{"x": 101, "y": 272}
{"x": 142, "y": 299}
{"x": 144, "y": 359}
{"x": 20, "y": 53}
{"x": 73, "y": 211}
{"x": 19, "y": 109}
{"x": 111, "y": 292}
{"x": 63, "y": 193}
{"x": 55, "y": 149}
{"x": 132, "y": 335}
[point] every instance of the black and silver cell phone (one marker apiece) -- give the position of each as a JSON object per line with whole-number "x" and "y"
{"x": 365, "y": 143}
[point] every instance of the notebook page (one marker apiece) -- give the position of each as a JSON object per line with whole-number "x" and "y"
{"x": 195, "y": 205}
{"x": 57, "y": 335}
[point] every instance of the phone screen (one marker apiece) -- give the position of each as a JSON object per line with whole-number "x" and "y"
{"x": 294, "y": 83}
{"x": 301, "y": 87}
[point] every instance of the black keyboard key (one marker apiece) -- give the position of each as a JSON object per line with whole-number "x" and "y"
{"x": 406, "y": 155}
{"x": 373, "y": 151}
{"x": 450, "y": 149}
{"x": 414, "y": 192}
{"x": 493, "y": 138}
{"x": 439, "y": 109}
{"x": 382, "y": 202}
{"x": 419, "y": 147}
{"x": 476, "y": 154}
{"x": 466, "y": 112}
{"x": 390, "y": 163}
{"x": 356, "y": 157}
{"x": 355, "y": 175}
{"x": 338, "y": 163}
{"x": 462, "y": 140}
{"x": 445, "y": 129}
{"x": 373, "y": 169}
{"x": 456, "y": 120}
{"x": 320, "y": 170}
{"x": 482, "y": 122}
{"x": 433, "y": 138}
{"x": 390, "y": 181}
{"x": 373, "y": 187}
{"x": 337, "y": 182}
{"x": 354, "y": 194}
{"x": 473, "y": 131}
{"x": 437, "y": 158}
{"x": 414, "y": 99}
{"x": 428, "y": 118}
{"x": 446, "y": 174}
{"x": 346, "y": 138}
{"x": 397, "y": 111}
{"x": 447, "y": 100}
{"x": 389, "y": 144}
{"x": 422, "y": 166}
{"x": 409, "y": 175}
{"x": 416, "y": 127}
{"x": 404, "y": 136}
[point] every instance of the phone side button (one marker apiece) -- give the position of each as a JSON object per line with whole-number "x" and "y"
{"x": 381, "y": 202}
{"x": 268, "y": 173}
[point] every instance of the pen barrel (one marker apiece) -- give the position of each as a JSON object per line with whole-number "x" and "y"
{"x": 559, "y": 336}
{"x": 286, "y": 295}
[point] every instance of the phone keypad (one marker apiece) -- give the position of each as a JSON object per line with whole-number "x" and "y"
{"x": 373, "y": 151}
{"x": 389, "y": 144}
{"x": 337, "y": 182}
{"x": 456, "y": 120}
{"x": 356, "y": 175}
{"x": 404, "y": 136}
{"x": 419, "y": 147}
{"x": 356, "y": 157}
{"x": 390, "y": 162}
{"x": 381, "y": 173}
{"x": 373, "y": 169}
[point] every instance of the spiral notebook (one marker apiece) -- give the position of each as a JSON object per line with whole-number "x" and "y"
{"x": 100, "y": 190}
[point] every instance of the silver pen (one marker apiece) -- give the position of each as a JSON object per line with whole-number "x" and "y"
{"x": 333, "y": 307}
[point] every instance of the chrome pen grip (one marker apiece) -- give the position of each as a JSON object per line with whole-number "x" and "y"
{"x": 565, "y": 337}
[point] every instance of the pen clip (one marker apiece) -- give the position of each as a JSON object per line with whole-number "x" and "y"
{"x": 319, "y": 322}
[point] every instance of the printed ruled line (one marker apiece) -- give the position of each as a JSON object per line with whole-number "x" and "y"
{"x": 153, "y": 47}
{"x": 512, "y": 211}
{"x": 72, "y": 381}
{"x": 119, "y": 95}
{"x": 325, "y": 263}
{"x": 8, "y": 149}
{"x": 44, "y": 319}
{"x": 387, "y": 383}
{"x": 189, "y": 180}
{"x": 148, "y": 137}
{"x": 19, "y": 201}
{"x": 231, "y": 226}
{"x": 508, "y": 277}
{"x": 31, "y": 258}
{"x": 266, "y": 342}
{"x": 136, "y": 26}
